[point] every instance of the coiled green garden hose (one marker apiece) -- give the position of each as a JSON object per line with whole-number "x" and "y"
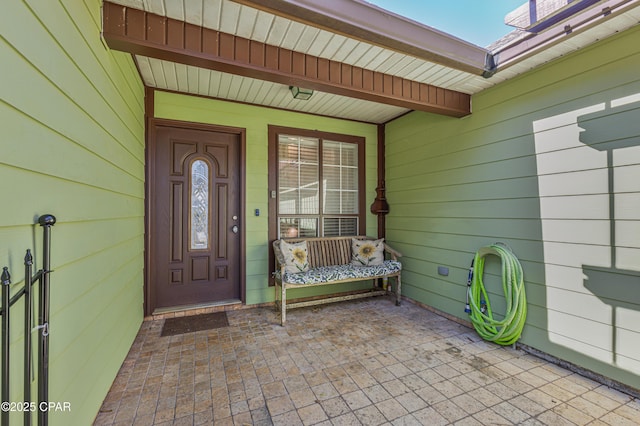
{"x": 508, "y": 330}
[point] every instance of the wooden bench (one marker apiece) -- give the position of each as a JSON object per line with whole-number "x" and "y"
{"x": 329, "y": 261}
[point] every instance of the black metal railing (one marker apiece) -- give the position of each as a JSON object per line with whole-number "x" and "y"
{"x": 25, "y": 404}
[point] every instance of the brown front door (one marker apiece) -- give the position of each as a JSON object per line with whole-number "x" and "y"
{"x": 195, "y": 217}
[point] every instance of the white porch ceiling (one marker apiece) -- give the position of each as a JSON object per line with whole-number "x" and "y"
{"x": 233, "y": 18}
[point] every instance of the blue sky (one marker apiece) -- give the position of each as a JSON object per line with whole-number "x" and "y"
{"x": 480, "y": 22}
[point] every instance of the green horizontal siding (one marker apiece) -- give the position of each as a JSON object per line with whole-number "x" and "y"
{"x": 73, "y": 146}
{"x": 518, "y": 171}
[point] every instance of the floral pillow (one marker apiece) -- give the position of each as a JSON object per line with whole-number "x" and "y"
{"x": 295, "y": 256}
{"x": 367, "y": 252}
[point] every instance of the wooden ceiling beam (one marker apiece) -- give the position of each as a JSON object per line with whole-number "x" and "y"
{"x": 143, "y": 33}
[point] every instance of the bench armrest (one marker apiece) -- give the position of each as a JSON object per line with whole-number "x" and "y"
{"x": 393, "y": 253}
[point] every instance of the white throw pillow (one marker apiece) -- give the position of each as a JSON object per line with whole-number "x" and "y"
{"x": 296, "y": 258}
{"x": 367, "y": 252}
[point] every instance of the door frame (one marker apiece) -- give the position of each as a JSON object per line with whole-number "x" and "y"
{"x": 151, "y": 124}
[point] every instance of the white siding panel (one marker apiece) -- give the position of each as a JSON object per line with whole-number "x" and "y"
{"x": 376, "y": 60}
{"x": 404, "y": 66}
{"x": 579, "y": 304}
{"x": 250, "y": 90}
{"x": 390, "y": 62}
{"x": 628, "y": 364}
{"x": 225, "y": 86}
{"x": 565, "y": 278}
{"x": 584, "y": 206}
{"x": 571, "y": 160}
{"x": 138, "y": 4}
{"x": 182, "y": 79}
{"x": 157, "y": 68}
{"x": 568, "y": 138}
{"x": 193, "y": 80}
{"x": 293, "y": 34}
{"x": 361, "y": 50}
{"x": 262, "y": 26}
{"x": 627, "y": 178}
{"x": 235, "y": 88}
{"x": 212, "y": 10}
{"x": 203, "y": 81}
{"x": 247, "y": 21}
{"x": 575, "y": 231}
{"x": 169, "y": 71}
{"x": 344, "y": 50}
{"x": 627, "y": 317}
{"x": 278, "y": 31}
{"x": 602, "y": 354}
{"x": 420, "y": 73}
{"x": 214, "y": 84}
{"x": 320, "y": 42}
{"x": 576, "y": 255}
{"x": 439, "y": 75}
{"x": 229, "y": 17}
{"x": 175, "y": 9}
{"x": 628, "y": 234}
{"x": 219, "y": 85}
{"x": 146, "y": 72}
{"x": 455, "y": 80}
{"x": 155, "y": 6}
{"x": 599, "y": 335}
{"x": 261, "y": 94}
{"x": 625, "y": 100}
{"x": 628, "y": 258}
{"x": 570, "y": 184}
{"x": 472, "y": 85}
{"x": 627, "y": 206}
{"x": 626, "y": 156}
{"x": 627, "y": 345}
{"x": 330, "y": 48}
{"x": 306, "y": 39}
{"x": 193, "y": 10}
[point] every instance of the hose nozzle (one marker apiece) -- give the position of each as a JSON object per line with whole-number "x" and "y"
{"x": 470, "y": 275}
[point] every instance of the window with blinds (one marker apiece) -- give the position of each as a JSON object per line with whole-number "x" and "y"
{"x": 318, "y": 186}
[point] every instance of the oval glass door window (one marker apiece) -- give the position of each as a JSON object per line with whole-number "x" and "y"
{"x": 199, "y": 205}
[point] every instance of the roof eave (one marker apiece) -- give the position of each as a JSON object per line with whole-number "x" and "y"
{"x": 527, "y": 45}
{"x": 366, "y": 22}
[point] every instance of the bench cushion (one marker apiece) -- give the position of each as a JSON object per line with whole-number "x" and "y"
{"x": 341, "y": 272}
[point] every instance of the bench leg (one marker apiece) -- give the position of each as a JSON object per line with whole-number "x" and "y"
{"x": 283, "y": 305}
{"x": 398, "y": 284}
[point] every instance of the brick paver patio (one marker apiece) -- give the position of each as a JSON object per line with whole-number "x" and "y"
{"x": 353, "y": 363}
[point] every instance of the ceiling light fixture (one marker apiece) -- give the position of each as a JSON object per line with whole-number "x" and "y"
{"x": 300, "y": 93}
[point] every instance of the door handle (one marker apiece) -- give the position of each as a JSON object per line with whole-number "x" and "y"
{"x": 234, "y": 229}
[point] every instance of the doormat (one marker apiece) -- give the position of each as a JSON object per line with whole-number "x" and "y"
{"x": 182, "y": 325}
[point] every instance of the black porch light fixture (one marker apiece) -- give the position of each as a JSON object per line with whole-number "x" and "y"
{"x": 300, "y": 93}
